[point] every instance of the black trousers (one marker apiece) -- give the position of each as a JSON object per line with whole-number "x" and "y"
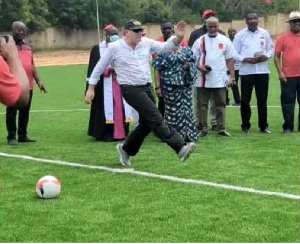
{"x": 260, "y": 82}
{"x": 142, "y": 99}
{"x": 11, "y": 115}
{"x": 235, "y": 90}
{"x": 289, "y": 91}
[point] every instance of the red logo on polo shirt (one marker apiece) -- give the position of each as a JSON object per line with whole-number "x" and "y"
{"x": 221, "y": 46}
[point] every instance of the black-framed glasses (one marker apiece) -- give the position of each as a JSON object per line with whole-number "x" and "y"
{"x": 295, "y": 21}
{"x": 137, "y": 30}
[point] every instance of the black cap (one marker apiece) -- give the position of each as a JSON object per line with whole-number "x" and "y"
{"x": 133, "y": 24}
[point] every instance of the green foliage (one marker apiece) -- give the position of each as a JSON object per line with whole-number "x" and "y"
{"x": 11, "y": 11}
{"x": 38, "y": 14}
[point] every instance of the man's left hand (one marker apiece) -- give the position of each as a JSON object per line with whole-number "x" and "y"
{"x": 230, "y": 82}
{"x": 179, "y": 29}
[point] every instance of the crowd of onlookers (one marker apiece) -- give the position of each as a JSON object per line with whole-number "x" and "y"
{"x": 207, "y": 65}
{"x": 191, "y": 81}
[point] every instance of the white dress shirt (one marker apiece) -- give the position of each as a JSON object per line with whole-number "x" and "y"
{"x": 217, "y": 50}
{"x": 248, "y": 44}
{"x": 131, "y": 65}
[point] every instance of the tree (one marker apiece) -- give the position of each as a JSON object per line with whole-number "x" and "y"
{"x": 11, "y": 11}
{"x": 38, "y": 14}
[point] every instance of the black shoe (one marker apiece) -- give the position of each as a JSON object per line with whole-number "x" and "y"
{"x": 266, "y": 131}
{"x": 202, "y": 133}
{"x": 224, "y": 133}
{"x": 245, "y": 131}
{"x": 287, "y": 131}
{"x": 236, "y": 104}
{"x": 26, "y": 139}
{"x": 12, "y": 142}
{"x": 214, "y": 127}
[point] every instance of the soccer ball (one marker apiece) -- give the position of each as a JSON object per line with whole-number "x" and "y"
{"x": 48, "y": 187}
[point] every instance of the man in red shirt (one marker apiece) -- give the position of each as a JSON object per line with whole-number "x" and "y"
{"x": 167, "y": 30}
{"x": 14, "y": 89}
{"x": 26, "y": 58}
{"x": 287, "y": 62}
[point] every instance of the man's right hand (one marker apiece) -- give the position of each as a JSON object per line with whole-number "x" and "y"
{"x": 89, "y": 95}
{"x": 250, "y": 60}
{"x": 203, "y": 69}
{"x": 282, "y": 78}
{"x": 8, "y": 49}
{"x": 158, "y": 92}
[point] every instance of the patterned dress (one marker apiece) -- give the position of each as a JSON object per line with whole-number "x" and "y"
{"x": 176, "y": 86}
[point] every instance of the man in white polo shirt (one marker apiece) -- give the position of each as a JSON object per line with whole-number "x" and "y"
{"x": 130, "y": 58}
{"x": 254, "y": 47}
{"x": 215, "y": 54}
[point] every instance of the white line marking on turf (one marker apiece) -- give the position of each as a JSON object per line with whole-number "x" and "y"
{"x": 56, "y": 110}
{"x": 153, "y": 175}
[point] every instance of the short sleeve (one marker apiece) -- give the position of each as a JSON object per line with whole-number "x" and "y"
{"x": 157, "y": 62}
{"x": 279, "y": 44}
{"x": 230, "y": 51}
{"x": 10, "y": 88}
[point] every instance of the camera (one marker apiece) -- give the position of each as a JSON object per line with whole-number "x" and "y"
{"x": 208, "y": 68}
{"x": 6, "y": 39}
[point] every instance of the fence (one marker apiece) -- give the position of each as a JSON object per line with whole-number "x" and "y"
{"x": 53, "y": 38}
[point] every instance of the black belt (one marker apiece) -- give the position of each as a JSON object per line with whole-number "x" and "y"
{"x": 137, "y": 86}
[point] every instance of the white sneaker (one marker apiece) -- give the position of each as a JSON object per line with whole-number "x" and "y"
{"x": 123, "y": 156}
{"x": 186, "y": 151}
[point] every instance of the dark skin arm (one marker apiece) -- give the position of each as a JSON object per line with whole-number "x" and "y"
{"x": 277, "y": 61}
{"x": 230, "y": 67}
{"x": 157, "y": 82}
{"x": 37, "y": 78}
{"x": 255, "y": 60}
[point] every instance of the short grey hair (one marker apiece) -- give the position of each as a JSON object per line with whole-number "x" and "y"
{"x": 18, "y": 24}
{"x": 212, "y": 19}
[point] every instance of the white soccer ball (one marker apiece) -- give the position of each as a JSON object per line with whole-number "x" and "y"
{"x": 48, "y": 187}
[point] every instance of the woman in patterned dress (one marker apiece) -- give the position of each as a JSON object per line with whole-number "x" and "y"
{"x": 175, "y": 74}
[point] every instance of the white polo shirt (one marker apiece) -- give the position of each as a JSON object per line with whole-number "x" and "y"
{"x": 213, "y": 51}
{"x": 247, "y": 44}
{"x": 131, "y": 65}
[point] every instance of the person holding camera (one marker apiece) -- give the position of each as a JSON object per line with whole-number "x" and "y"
{"x": 14, "y": 88}
{"x": 26, "y": 58}
{"x": 215, "y": 54}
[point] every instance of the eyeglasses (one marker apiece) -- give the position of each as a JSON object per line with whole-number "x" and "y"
{"x": 167, "y": 28}
{"x": 137, "y": 30}
{"x": 295, "y": 21}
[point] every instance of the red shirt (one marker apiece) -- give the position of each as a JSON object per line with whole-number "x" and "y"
{"x": 10, "y": 88}
{"x": 26, "y": 58}
{"x": 289, "y": 45}
{"x": 182, "y": 43}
